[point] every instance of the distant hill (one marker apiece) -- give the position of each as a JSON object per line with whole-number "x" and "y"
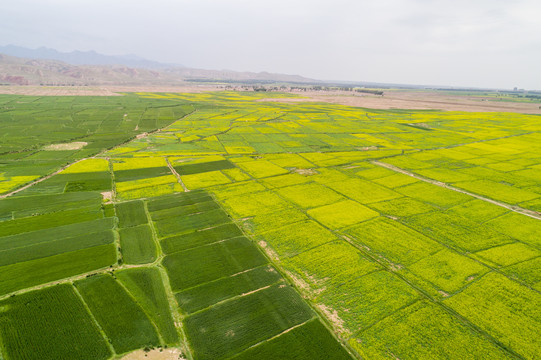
{"x": 20, "y": 71}
{"x": 49, "y": 67}
{"x": 82, "y": 57}
{"x": 236, "y": 76}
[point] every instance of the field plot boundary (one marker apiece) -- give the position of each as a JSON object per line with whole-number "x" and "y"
{"x": 424, "y": 296}
{"x": 238, "y": 228}
{"x": 188, "y": 317}
{"x": 37, "y": 181}
{"x": 179, "y": 180}
{"x": 142, "y": 135}
{"x": 387, "y": 267}
{"x": 518, "y": 209}
{"x": 92, "y": 318}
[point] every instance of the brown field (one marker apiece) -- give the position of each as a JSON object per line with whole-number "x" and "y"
{"x": 404, "y": 99}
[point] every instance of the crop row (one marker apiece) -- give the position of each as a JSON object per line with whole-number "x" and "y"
{"x": 53, "y": 237}
{"x": 232, "y": 298}
{"x": 89, "y": 125}
{"x": 396, "y": 236}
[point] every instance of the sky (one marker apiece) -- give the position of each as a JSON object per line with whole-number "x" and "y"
{"x": 469, "y": 43}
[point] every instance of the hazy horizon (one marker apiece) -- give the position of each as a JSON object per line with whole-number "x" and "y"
{"x": 485, "y": 44}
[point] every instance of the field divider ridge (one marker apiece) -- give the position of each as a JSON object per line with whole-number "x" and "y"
{"x": 173, "y": 307}
{"x": 272, "y": 338}
{"x": 236, "y": 297}
{"x": 159, "y": 251}
{"x": 177, "y": 317}
{"x": 386, "y": 267}
{"x": 46, "y": 177}
{"x": 426, "y": 296}
{"x": 517, "y": 209}
{"x": 91, "y": 315}
{"x": 121, "y": 284}
{"x": 290, "y": 281}
{"x": 37, "y": 181}
{"x": 177, "y": 175}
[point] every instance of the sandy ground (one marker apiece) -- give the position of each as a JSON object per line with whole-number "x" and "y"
{"x": 107, "y": 196}
{"x": 164, "y": 354}
{"x": 424, "y": 100}
{"x": 77, "y": 145}
{"x": 414, "y": 100}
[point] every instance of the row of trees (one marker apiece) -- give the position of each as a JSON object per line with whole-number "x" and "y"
{"x": 303, "y": 88}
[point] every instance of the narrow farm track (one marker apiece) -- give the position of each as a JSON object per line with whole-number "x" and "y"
{"x": 518, "y": 209}
{"x": 91, "y": 157}
{"x": 94, "y": 321}
{"x": 176, "y": 175}
{"x": 386, "y": 265}
{"x": 310, "y": 206}
{"x": 232, "y": 125}
{"x": 175, "y": 312}
{"x": 271, "y": 338}
{"x": 479, "y": 141}
{"x": 274, "y": 261}
{"x": 39, "y": 180}
{"x": 424, "y": 295}
{"x": 74, "y": 278}
{"x": 167, "y": 285}
{"x": 152, "y": 321}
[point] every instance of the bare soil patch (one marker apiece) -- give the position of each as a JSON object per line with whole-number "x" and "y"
{"x": 306, "y": 172}
{"x": 76, "y": 145}
{"x": 413, "y": 100}
{"x": 140, "y": 136}
{"x": 299, "y": 282}
{"x": 270, "y": 253}
{"x": 107, "y": 196}
{"x": 333, "y": 317}
{"x": 157, "y": 354}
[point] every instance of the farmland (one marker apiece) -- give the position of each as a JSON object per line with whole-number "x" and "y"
{"x": 235, "y": 228}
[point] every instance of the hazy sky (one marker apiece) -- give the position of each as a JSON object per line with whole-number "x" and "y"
{"x": 481, "y": 43}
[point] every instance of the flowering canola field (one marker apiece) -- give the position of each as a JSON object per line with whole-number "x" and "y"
{"x": 278, "y": 230}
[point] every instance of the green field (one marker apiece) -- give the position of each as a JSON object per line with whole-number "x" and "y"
{"x": 131, "y": 214}
{"x": 50, "y": 324}
{"x": 237, "y": 228}
{"x": 31, "y": 145}
{"x": 125, "y": 323}
{"x": 146, "y": 285}
{"x": 202, "y": 296}
{"x": 233, "y": 326}
{"x": 137, "y": 244}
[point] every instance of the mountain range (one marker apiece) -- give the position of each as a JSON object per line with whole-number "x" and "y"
{"x": 43, "y": 66}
